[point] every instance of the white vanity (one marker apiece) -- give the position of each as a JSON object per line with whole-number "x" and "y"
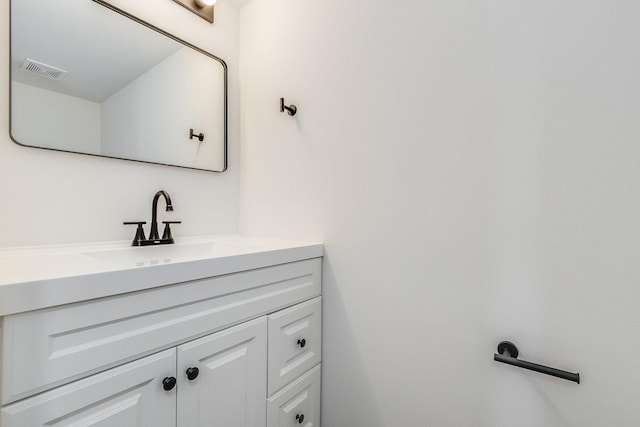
{"x": 222, "y": 331}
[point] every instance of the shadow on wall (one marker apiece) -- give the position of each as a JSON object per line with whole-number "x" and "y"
{"x": 343, "y": 375}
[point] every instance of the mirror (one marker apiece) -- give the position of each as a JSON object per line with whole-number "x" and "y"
{"x": 89, "y": 78}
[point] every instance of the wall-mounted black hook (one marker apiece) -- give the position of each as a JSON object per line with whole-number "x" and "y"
{"x": 192, "y": 135}
{"x": 291, "y": 109}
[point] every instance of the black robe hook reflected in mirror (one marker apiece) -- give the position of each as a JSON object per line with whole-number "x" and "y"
{"x": 192, "y": 135}
{"x": 291, "y": 109}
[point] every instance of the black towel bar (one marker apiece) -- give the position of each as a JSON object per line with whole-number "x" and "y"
{"x": 512, "y": 359}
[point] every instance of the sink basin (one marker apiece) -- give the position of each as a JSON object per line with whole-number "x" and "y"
{"x": 154, "y": 255}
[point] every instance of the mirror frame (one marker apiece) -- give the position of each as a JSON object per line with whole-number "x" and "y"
{"x": 162, "y": 32}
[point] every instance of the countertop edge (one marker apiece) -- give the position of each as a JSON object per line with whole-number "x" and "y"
{"x": 41, "y": 294}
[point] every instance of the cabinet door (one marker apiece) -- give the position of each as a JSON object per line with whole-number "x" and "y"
{"x": 130, "y": 395}
{"x": 231, "y": 383}
{"x": 298, "y": 404}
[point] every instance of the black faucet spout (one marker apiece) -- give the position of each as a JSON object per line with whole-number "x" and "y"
{"x": 153, "y": 233}
{"x": 154, "y": 237}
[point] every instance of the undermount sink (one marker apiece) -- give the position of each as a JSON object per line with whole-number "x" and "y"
{"x": 154, "y": 255}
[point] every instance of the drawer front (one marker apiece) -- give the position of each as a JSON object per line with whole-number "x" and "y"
{"x": 295, "y": 343}
{"x": 47, "y": 348}
{"x": 298, "y": 404}
{"x": 131, "y": 395}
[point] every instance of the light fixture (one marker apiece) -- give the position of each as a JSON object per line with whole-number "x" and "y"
{"x": 202, "y": 8}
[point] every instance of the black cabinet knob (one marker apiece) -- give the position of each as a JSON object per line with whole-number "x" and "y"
{"x": 192, "y": 373}
{"x": 300, "y": 418}
{"x": 302, "y": 342}
{"x": 169, "y": 383}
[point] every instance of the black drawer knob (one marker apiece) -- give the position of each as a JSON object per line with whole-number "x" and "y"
{"x": 192, "y": 373}
{"x": 302, "y": 342}
{"x": 169, "y": 383}
{"x": 300, "y": 418}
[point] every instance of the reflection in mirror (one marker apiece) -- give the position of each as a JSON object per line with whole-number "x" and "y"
{"x": 91, "y": 79}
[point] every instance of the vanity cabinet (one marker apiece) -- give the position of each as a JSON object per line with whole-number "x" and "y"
{"x": 222, "y": 351}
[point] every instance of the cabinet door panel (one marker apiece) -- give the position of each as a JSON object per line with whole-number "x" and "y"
{"x": 231, "y": 385}
{"x": 298, "y": 404}
{"x": 130, "y": 395}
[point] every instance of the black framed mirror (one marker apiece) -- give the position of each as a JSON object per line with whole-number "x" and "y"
{"x": 89, "y": 78}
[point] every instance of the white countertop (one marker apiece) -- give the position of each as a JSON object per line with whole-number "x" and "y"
{"x": 33, "y": 278}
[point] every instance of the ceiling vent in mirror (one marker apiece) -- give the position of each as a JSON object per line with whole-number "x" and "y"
{"x": 44, "y": 69}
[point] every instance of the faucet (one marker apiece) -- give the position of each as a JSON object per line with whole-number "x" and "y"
{"x": 153, "y": 234}
{"x": 154, "y": 238}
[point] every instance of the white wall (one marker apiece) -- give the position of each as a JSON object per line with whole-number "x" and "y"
{"x": 45, "y": 118}
{"x": 472, "y": 168}
{"x": 50, "y": 197}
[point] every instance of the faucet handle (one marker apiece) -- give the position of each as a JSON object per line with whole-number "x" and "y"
{"x": 139, "y": 237}
{"x": 166, "y": 234}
